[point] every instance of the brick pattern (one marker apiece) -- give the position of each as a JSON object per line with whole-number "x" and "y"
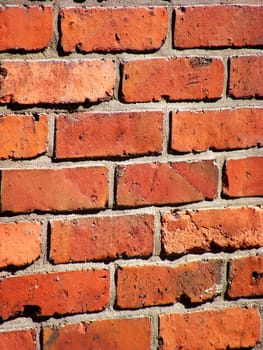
{"x": 131, "y": 175}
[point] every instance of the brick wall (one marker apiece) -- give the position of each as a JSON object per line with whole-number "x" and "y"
{"x": 131, "y": 175}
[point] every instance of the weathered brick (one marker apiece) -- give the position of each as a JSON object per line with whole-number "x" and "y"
{"x": 166, "y": 183}
{"x": 113, "y": 29}
{"x": 108, "y": 134}
{"x": 25, "y": 27}
{"x": 117, "y": 334}
{"x": 191, "y": 283}
{"x": 246, "y": 77}
{"x": 212, "y": 230}
{"x": 53, "y": 293}
{"x": 216, "y": 129}
{"x": 98, "y": 238}
{"x": 243, "y": 177}
{"x": 246, "y": 277}
{"x": 229, "y": 328}
{"x": 54, "y": 189}
{"x": 18, "y": 340}
{"x": 20, "y": 243}
{"x": 172, "y": 79}
{"x": 56, "y": 81}
{"x": 23, "y": 136}
{"x": 218, "y": 26}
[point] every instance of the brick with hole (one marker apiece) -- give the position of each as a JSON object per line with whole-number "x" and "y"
{"x": 63, "y": 189}
{"x": 18, "y": 339}
{"x": 19, "y": 243}
{"x": 211, "y": 230}
{"x": 225, "y": 129}
{"x": 228, "y": 328}
{"x": 172, "y": 79}
{"x": 101, "y": 238}
{"x": 243, "y": 177}
{"x": 56, "y": 293}
{"x": 56, "y": 81}
{"x": 27, "y": 28}
{"x": 113, "y": 29}
{"x": 98, "y": 135}
{"x": 166, "y": 183}
{"x": 148, "y": 285}
{"x": 246, "y": 77}
{"x": 117, "y": 334}
{"x": 23, "y": 136}
{"x": 218, "y": 26}
{"x": 246, "y": 277}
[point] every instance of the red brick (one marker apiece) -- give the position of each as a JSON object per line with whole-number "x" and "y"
{"x": 53, "y": 293}
{"x": 108, "y": 134}
{"x": 218, "y": 26}
{"x": 230, "y": 328}
{"x": 147, "y": 285}
{"x": 98, "y": 238}
{"x": 54, "y": 189}
{"x": 217, "y": 129}
{"x": 243, "y": 177}
{"x": 246, "y": 277}
{"x": 166, "y": 183}
{"x": 113, "y": 29}
{"x": 20, "y": 243}
{"x": 212, "y": 230}
{"x": 23, "y": 136}
{"x": 56, "y": 81}
{"x": 246, "y": 76}
{"x": 25, "y": 27}
{"x": 18, "y": 340}
{"x": 117, "y": 334}
{"x": 172, "y": 79}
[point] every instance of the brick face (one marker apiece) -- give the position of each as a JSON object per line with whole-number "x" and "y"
{"x": 18, "y": 339}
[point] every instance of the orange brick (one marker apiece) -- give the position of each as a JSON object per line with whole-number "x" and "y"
{"x": 54, "y": 189}
{"x": 147, "y": 285}
{"x": 243, "y": 177}
{"x": 224, "y": 129}
{"x": 56, "y": 81}
{"x": 18, "y": 340}
{"x": 23, "y": 136}
{"x": 28, "y": 28}
{"x": 230, "y": 328}
{"x": 99, "y": 238}
{"x": 166, "y": 183}
{"x": 53, "y": 293}
{"x": 218, "y": 26}
{"x": 108, "y": 134}
{"x": 113, "y": 29}
{"x": 212, "y": 230}
{"x": 246, "y": 277}
{"x": 172, "y": 79}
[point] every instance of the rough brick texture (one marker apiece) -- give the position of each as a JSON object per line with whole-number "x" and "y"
{"x": 113, "y": 29}
{"x": 212, "y": 230}
{"x": 218, "y": 26}
{"x": 191, "y": 283}
{"x": 20, "y": 243}
{"x": 162, "y": 183}
{"x": 28, "y": 28}
{"x": 48, "y": 294}
{"x": 217, "y": 129}
{"x": 108, "y": 134}
{"x": 243, "y": 177}
{"x": 172, "y": 79}
{"x": 18, "y": 340}
{"x": 99, "y": 238}
{"x": 230, "y": 328}
{"x": 56, "y": 81}
{"x": 117, "y": 334}
{"x": 246, "y": 277}
{"x": 23, "y": 136}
